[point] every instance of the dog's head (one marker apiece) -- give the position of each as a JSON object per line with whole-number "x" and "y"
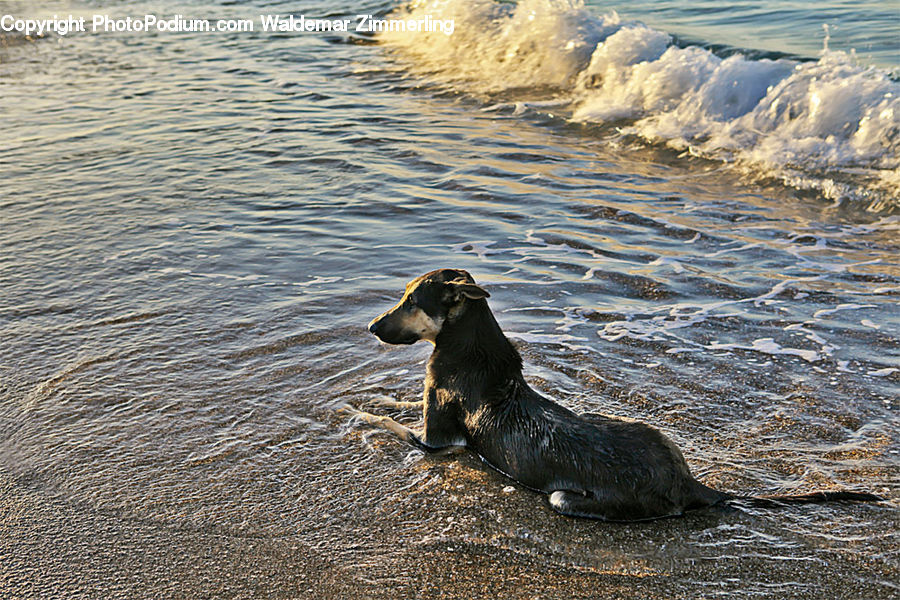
{"x": 429, "y": 302}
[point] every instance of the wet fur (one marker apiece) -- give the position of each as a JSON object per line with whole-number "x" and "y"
{"x": 476, "y": 397}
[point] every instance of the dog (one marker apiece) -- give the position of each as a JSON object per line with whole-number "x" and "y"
{"x": 476, "y": 398}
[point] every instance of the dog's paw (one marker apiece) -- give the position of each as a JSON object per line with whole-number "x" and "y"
{"x": 387, "y": 402}
{"x": 381, "y": 401}
{"x": 350, "y": 410}
{"x": 361, "y": 416}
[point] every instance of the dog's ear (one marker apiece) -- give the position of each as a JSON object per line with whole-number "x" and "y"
{"x": 463, "y": 289}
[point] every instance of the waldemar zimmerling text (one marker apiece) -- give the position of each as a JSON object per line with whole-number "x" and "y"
{"x": 363, "y": 24}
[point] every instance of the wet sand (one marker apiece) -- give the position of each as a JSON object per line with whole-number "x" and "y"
{"x": 55, "y": 549}
{"x": 52, "y": 549}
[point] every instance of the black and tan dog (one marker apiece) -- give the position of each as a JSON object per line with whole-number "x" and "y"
{"x": 476, "y": 397}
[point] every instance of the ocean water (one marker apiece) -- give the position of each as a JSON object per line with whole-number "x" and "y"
{"x": 685, "y": 214}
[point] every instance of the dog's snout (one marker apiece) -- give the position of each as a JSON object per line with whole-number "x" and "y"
{"x": 373, "y": 325}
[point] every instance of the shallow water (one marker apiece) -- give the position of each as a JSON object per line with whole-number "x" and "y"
{"x": 196, "y": 230}
{"x": 801, "y": 27}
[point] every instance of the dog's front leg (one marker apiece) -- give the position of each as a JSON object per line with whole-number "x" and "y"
{"x": 402, "y": 431}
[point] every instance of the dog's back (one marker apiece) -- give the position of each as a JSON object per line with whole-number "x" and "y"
{"x": 634, "y": 468}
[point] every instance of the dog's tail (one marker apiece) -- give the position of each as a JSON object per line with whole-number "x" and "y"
{"x": 776, "y": 501}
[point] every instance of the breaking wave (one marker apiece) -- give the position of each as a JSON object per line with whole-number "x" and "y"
{"x": 830, "y": 125}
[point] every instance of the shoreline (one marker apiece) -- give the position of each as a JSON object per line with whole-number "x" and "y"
{"x": 54, "y": 549}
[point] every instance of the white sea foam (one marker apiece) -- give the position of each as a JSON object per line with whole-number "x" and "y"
{"x": 828, "y": 311}
{"x": 831, "y": 124}
{"x": 768, "y": 346}
{"x": 567, "y": 341}
{"x": 495, "y": 46}
{"x": 883, "y": 372}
